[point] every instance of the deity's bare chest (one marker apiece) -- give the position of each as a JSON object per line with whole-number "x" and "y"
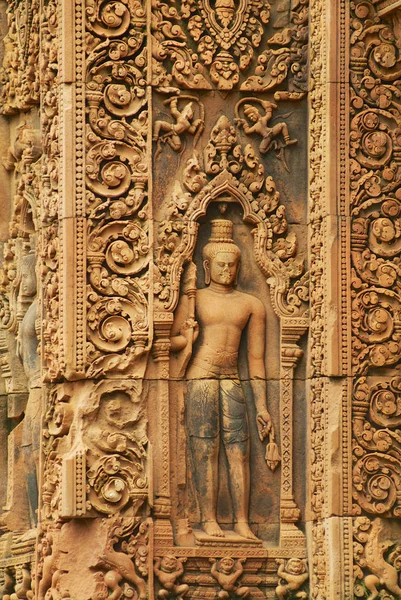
{"x": 222, "y": 311}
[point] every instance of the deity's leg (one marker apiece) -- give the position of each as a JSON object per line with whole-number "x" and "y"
{"x": 236, "y": 442}
{"x": 204, "y": 442}
{"x": 205, "y": 454}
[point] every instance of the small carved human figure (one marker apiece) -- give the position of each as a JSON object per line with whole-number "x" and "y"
{"x": 184, "y": 122}
{"x": 293, "y": 576}
{"x": 262, "y": 128}
{"x": 168, "y": 569}
{"x": 216, "y": 412}
{"x": 227, "y": 575}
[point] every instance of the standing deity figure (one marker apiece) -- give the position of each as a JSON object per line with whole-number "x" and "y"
{"x": 215, "y": 407}
{"x": 27, "y": 350}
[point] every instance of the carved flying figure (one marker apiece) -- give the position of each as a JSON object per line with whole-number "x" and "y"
{"x": 168, "y": 569}
{"x": 227, "y": 575}
{"x": 171, "y": 133}
{"x": 215, "y": 402}
{"x": 260, "y": 125}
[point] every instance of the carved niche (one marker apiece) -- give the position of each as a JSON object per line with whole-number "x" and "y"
{"x": 227, "y": 183}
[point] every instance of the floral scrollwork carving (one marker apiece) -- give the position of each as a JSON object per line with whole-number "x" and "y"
{"x": 116, "y": 179}
{"x": 227, "y": 36}
{"x": 19, "y": 74}
{"x": 114, "y": 433}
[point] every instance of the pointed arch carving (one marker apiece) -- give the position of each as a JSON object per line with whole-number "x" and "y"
{"x": 240, "y": 177}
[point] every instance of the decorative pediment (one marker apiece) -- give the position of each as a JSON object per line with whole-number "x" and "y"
{"x": 228, "y": 173}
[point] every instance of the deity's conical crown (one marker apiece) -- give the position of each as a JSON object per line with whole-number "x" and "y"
{"x": 222, "y": 231}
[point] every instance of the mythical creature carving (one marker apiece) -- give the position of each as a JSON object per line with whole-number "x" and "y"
{"x": 293, "y": 574}
{"x": 168, "y": 570}
{"x": 260, "y": 126}
{"x": 227, "y": 574}
{"x": 165, "y": 132}
{"x": 124, "y": 561}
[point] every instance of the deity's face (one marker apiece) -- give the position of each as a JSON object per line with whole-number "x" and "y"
{"x": 224, "y": 268}
{"x": 253, "y": 116}
{"x": 28, "y": 278}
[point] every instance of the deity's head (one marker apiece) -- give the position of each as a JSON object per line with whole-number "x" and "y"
{"x": 227, "y": 565}
{"x": 221, "y": 257}
{"x": 188, "y": 111}
{"x": 251, "y": 112}
{"x": 28, "y": 275}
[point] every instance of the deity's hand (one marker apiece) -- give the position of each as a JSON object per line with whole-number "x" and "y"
{"x": 264, "y": 424}
{"x": 190, "y": 325}
{"x": 239, "y": 121}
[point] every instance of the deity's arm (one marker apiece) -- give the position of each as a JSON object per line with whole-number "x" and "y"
{"x": 177, "y": 339}
{"x": 256, "y": 340}
{"x": 257, "y": 370}
{"x": 174, "y": 110}
{"x": 250, "y": 128}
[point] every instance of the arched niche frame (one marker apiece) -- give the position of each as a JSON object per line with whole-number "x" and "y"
{"x": 230, "y": 173}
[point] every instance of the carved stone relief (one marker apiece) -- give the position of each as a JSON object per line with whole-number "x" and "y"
{"x": 374, "y": 202}
{"x": 164, "y": 319}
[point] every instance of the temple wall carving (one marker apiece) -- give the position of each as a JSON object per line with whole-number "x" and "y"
{"x": 199, "y": 306}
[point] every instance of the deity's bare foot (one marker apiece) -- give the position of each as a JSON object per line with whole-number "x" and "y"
{"x": 212, "y": 528}
{"x": 243, "y": 529}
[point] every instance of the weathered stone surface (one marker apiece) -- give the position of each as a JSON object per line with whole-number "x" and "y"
{"x": 199, "y": 299}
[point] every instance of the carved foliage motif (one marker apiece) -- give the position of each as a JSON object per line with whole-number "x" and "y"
{"x": 19, "y": 74}
{"x": 375, "y": 144}
{"x": 227, "y": 35}
{"x": 49, "y": 241}
{"x": 116, "y": 180}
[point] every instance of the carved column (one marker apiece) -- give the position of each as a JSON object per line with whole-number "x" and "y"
{"x": 128, "y": 128}
{"x": 292, "y": 329}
